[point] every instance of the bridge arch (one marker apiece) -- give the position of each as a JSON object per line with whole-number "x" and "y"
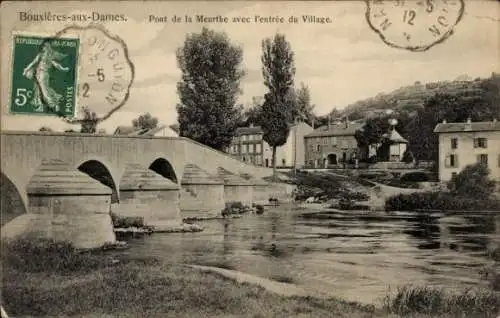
{"x": 12, "y": 203}
{"x": 164, "y": 168}
{"x": 100, "y": 172}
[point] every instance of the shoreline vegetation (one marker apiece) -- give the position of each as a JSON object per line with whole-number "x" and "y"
{"x": 53, "y": 279}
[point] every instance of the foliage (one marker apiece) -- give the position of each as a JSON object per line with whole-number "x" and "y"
{"x": 439, "y": 107}
{"x": 89, "y": 121}
{"x": 145, "y": 121}
{"x": 208, "y": 91}
{"x": 408, "y": 156}
{"x": 45, "y": 128}
{"x": 416, "y": 176}
{"x": 127, "y": 222}
{"x": 424, "y": 300}
{"x": 305, "y": 110}
{"x": 70, "y": 131}
{"x": 438, "y": 201}
{"x": 278, "y": 109}
{"x": 473, "y": 182}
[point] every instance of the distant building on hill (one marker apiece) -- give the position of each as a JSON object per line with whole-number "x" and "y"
{"x": 462, "y": 144}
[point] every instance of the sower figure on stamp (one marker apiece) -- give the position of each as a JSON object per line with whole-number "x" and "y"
{"x": 40, "y": 67}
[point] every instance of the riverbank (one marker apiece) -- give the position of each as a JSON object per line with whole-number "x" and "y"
{"x": 59, "y": 282}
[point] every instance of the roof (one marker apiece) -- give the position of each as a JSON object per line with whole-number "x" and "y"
{"x": 249, "y": 130}
{"x": 395, "y": 137}
{"x": 124, "y": 130}
{"x": 336, "y": 130}
{"x": 462, "y": 127}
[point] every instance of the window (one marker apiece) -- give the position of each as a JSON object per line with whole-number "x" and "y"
{"x": 454, "y": 143}
{"x": 283, "y": 162}
{"x": 250, "y": 137}
{"x": 333, "y": 141}
{"x": 244, "y": 137}
{"x": 244, "y": 159}
{"x": 318, "y": 148}
{"x": 244, "y": 148}
{"x": 258, "y": 148}
{"x": 325, "y": 141}
{"x": 480, "y": 143}
{"x": 482, "y": 158}
{"x": 451, "y": 161}
{"x": 453, "y": 175}
{"x": 258, "y": 160}
{"x": 254, "y": 148}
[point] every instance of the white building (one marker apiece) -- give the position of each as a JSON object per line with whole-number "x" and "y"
{"x": 462, "y": 144}
{"x": 293, "y": 152}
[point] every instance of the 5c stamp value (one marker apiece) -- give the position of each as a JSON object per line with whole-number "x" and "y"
{"x": 415, "y": 25}
{"x": 44, "y": 75}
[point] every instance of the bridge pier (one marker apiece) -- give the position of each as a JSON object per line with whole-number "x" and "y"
{"x": 260, "y": 189}
{"x": 145, "y": 194}
{"x": 202, "y": 195}
{"x": 66, "y": 206}
{"x": 236, "y": 189}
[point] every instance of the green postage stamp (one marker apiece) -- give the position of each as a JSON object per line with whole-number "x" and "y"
{"x": 44, "y": 75}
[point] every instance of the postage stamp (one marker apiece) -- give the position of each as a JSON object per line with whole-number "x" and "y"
{"x": 44, "y": 75}
{"x": 78, "y": 67}
{"x": 414, "y": 25}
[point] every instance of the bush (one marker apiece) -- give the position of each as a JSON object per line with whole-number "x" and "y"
{"x": 127, "y": 222}
{"x": 416, "y": 176}
{"x": 408, "y": 156}
{"x": 473, "y": 182}
{"x": 437, "y": 201}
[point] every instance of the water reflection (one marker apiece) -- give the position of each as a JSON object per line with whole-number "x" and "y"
{"x": 354, "y": 255}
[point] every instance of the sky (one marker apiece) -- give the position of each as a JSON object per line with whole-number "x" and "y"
{"x": 341, "y": 62}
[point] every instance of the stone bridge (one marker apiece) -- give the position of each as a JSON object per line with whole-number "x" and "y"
{"x": 62, "y": 177}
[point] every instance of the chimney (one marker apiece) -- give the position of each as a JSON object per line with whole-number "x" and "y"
{"x": 346, "y": 122}
{"x": 329, "y": 121}
{"x": 312, "y": 123}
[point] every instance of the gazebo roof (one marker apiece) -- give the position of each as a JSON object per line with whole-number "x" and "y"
{"x": 394, "y": 137}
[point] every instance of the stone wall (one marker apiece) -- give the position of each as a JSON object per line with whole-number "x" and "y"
{"x": 83, "y": 220}
{"x": 152, "y": 205}
{"x": 201, "y": 200}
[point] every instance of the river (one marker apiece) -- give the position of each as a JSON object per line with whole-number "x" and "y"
{"x": 357, "y": 256}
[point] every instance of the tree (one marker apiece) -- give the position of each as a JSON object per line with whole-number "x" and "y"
{"x": 252, "y": 115}
{"x": 45, "y": 128}
{"x": 89, "y": 121}
{"x": 211, "y": 74}
{"x": 473, "y": 182}
{"x": 145, "y": 121}
{"x": 279, "y": 106}
{"x": 305, "y": 109}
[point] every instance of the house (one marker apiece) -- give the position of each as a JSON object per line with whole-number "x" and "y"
{"x": 332, "y": 144}
{"x": 462, "y": 144}
{"x": 293, "y": 152}
{"x": 160, "y": 131}
{"x": 247, "y": 145}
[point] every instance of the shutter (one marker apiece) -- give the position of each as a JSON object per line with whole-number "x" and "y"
{"x": 447, "y": 161}
{"x": 456, "y": 161}
{"x": 476, "y": 142}
{"x": 485, "y": 143}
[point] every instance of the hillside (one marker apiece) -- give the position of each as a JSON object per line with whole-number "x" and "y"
{"x": 408, "y": 99}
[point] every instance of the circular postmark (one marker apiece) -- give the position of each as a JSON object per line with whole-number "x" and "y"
{"x": 415, "y": 25}
{"x": 105, "y": 72}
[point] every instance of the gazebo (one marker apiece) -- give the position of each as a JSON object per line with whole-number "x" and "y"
{"x": 393, "y": 145}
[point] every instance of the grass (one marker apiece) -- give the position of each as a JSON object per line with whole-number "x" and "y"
{"x": 416, "y": 300}
{"x": 97, "y": 284}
